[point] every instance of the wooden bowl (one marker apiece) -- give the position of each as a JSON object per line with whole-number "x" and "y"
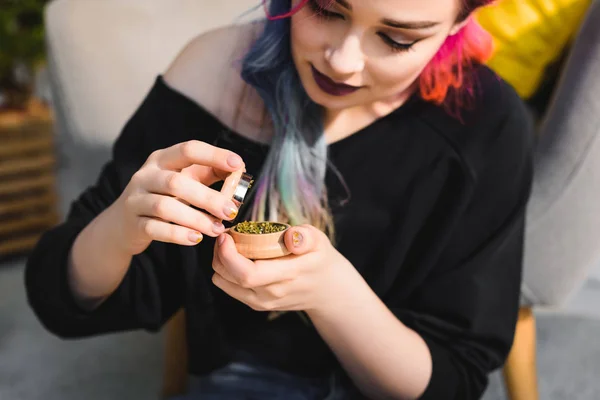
{"x": 260, "y": 246}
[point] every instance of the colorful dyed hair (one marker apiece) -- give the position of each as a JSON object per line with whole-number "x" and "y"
{"x": 291, "y": 186}
{"x": 444, "y": 81}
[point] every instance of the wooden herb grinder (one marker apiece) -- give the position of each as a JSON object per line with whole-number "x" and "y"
{"x": 260, "y": 240}
{"x": 254, "y": 240}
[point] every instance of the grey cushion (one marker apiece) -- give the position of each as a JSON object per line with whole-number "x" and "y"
{"x": 563, "y": 233}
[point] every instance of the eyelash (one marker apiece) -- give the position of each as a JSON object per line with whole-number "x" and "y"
{"x": 329, "y": 15}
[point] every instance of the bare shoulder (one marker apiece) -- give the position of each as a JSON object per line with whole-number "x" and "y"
{"x": 207, "y": 69}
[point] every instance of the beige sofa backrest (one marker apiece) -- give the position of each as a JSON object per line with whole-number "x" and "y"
{"x": 106, "y": 54}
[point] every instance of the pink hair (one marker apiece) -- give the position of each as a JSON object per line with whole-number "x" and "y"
{"x": 472, "y": 44}
{"x": 293, "y": 11}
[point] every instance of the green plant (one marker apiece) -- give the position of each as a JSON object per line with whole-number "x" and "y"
{"x": 21, "y": 40}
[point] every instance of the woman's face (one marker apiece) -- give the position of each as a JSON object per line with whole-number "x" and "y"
{"x": 379, "y": 47}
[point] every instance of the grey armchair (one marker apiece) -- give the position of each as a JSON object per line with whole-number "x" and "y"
{"x": 98, "y": 82}
{"x": 562, "y": 240}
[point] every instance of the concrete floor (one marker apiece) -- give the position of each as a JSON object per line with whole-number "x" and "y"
{"x": 35, "y": 365}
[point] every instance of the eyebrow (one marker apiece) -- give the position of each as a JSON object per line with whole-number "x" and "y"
{"x": 413, "y": 25}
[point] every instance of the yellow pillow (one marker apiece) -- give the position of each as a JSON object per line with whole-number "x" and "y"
{"x": 528, "y": 36}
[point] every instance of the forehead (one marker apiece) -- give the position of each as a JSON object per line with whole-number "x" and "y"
{"x": 409, "y": 10}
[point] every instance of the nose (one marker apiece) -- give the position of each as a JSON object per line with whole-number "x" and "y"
{"x": 347, "y": 58}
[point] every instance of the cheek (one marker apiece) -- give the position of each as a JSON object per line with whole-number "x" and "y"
{"x": 307, "y": 34}
{"x": 396, "y": 75}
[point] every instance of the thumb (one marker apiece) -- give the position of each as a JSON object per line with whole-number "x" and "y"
{"x": 302, "y": 239}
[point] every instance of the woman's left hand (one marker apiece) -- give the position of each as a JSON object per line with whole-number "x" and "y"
{"x": 308, "y": 279}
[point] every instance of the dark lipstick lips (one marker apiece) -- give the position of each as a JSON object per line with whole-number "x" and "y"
{"x": 329, "y": 86}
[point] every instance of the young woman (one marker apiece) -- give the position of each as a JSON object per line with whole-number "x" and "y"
{"x": 402, "y": 163}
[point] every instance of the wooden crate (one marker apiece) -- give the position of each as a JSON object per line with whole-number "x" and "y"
{"x": 28, "y": 204}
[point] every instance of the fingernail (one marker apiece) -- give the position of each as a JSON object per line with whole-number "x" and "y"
{"x": 297, "y": 239}
{"x": 234, "y": 161}
{"x": 218, "y": 227}
{"x": 195, "y": 237}
{"x": 230, "y": 210}
{"x": 221, "y": 239}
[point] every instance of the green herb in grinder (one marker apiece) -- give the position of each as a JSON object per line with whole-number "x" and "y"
{"x": 259, "y": 228}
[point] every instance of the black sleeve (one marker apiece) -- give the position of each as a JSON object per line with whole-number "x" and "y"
{"x": 466, "y": 306}
{"x": 150, "y": 291}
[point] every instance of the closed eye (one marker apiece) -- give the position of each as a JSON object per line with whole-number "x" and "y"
{"x": 396, "y": 46}
{"x": 326, "y": 14}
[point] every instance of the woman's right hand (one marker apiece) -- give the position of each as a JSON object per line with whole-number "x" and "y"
{"x": 156, "y": 204}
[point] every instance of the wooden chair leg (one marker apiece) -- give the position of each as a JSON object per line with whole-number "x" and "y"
{"x": 520, "y": 372}
{"x": 175, "y": 374}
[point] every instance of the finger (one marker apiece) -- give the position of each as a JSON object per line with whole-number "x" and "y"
{"x": 206, "y": 175}
{"x": 184, "y": 154}
{"x": 238, "y": 267}
{"x": 193, "y": 192}
{"x": 219, "y": 268}
{"x": 164, "y": 232}
{"x": 170, "y": 209}
{"x": 252, "y": 274}
{"x": 246, "y": 296}
{"x": 302, "y": 239}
